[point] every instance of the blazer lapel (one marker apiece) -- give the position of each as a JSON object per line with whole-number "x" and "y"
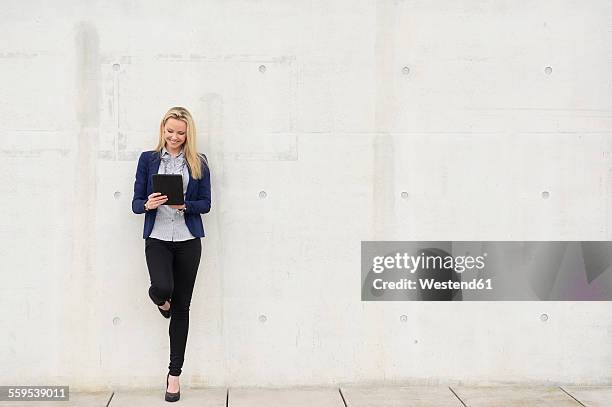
{"x": 190, "y": 185}
{"x": 153, "y": 169}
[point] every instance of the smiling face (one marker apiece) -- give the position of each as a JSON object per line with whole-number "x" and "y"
{"x": 175, "y": 134}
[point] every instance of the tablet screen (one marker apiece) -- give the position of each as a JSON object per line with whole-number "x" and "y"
{"x": 170, "y": 185}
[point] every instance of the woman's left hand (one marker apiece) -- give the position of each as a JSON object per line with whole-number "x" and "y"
{"x": 177, "y": 206}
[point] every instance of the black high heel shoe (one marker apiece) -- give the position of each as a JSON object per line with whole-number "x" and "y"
{"x": 165, "y": 313}
{"x": 172, "y": 396}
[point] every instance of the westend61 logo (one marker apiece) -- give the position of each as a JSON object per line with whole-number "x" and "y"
{"x": 405, "y": 261}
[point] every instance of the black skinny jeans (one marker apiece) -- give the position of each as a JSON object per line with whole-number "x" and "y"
{"x": 173, "y": 267}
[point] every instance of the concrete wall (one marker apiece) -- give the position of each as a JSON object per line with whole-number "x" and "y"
{"x": 326, "y": 123}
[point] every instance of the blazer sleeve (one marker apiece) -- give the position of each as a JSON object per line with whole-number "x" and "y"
{"x": 202, "y": 203}
{"x": 140, "y": 186}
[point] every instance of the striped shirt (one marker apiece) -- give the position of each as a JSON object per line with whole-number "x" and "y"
{"x": 169, "y": 223}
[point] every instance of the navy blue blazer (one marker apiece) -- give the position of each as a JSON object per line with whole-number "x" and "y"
{"x": 197, "y": 196}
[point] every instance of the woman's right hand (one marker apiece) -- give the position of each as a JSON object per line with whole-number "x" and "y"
{"x": 156, "y": 199}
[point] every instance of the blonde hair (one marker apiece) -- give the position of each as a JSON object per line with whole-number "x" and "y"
{"x": 194, "y": 160}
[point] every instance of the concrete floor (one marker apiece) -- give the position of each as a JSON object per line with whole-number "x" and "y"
{"x": 350, "y": 396}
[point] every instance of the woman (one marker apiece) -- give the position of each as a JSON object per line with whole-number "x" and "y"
{"x": 172, "y": 232}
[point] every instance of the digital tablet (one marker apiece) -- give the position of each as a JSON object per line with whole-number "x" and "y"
{"x": 170, "y": 185}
